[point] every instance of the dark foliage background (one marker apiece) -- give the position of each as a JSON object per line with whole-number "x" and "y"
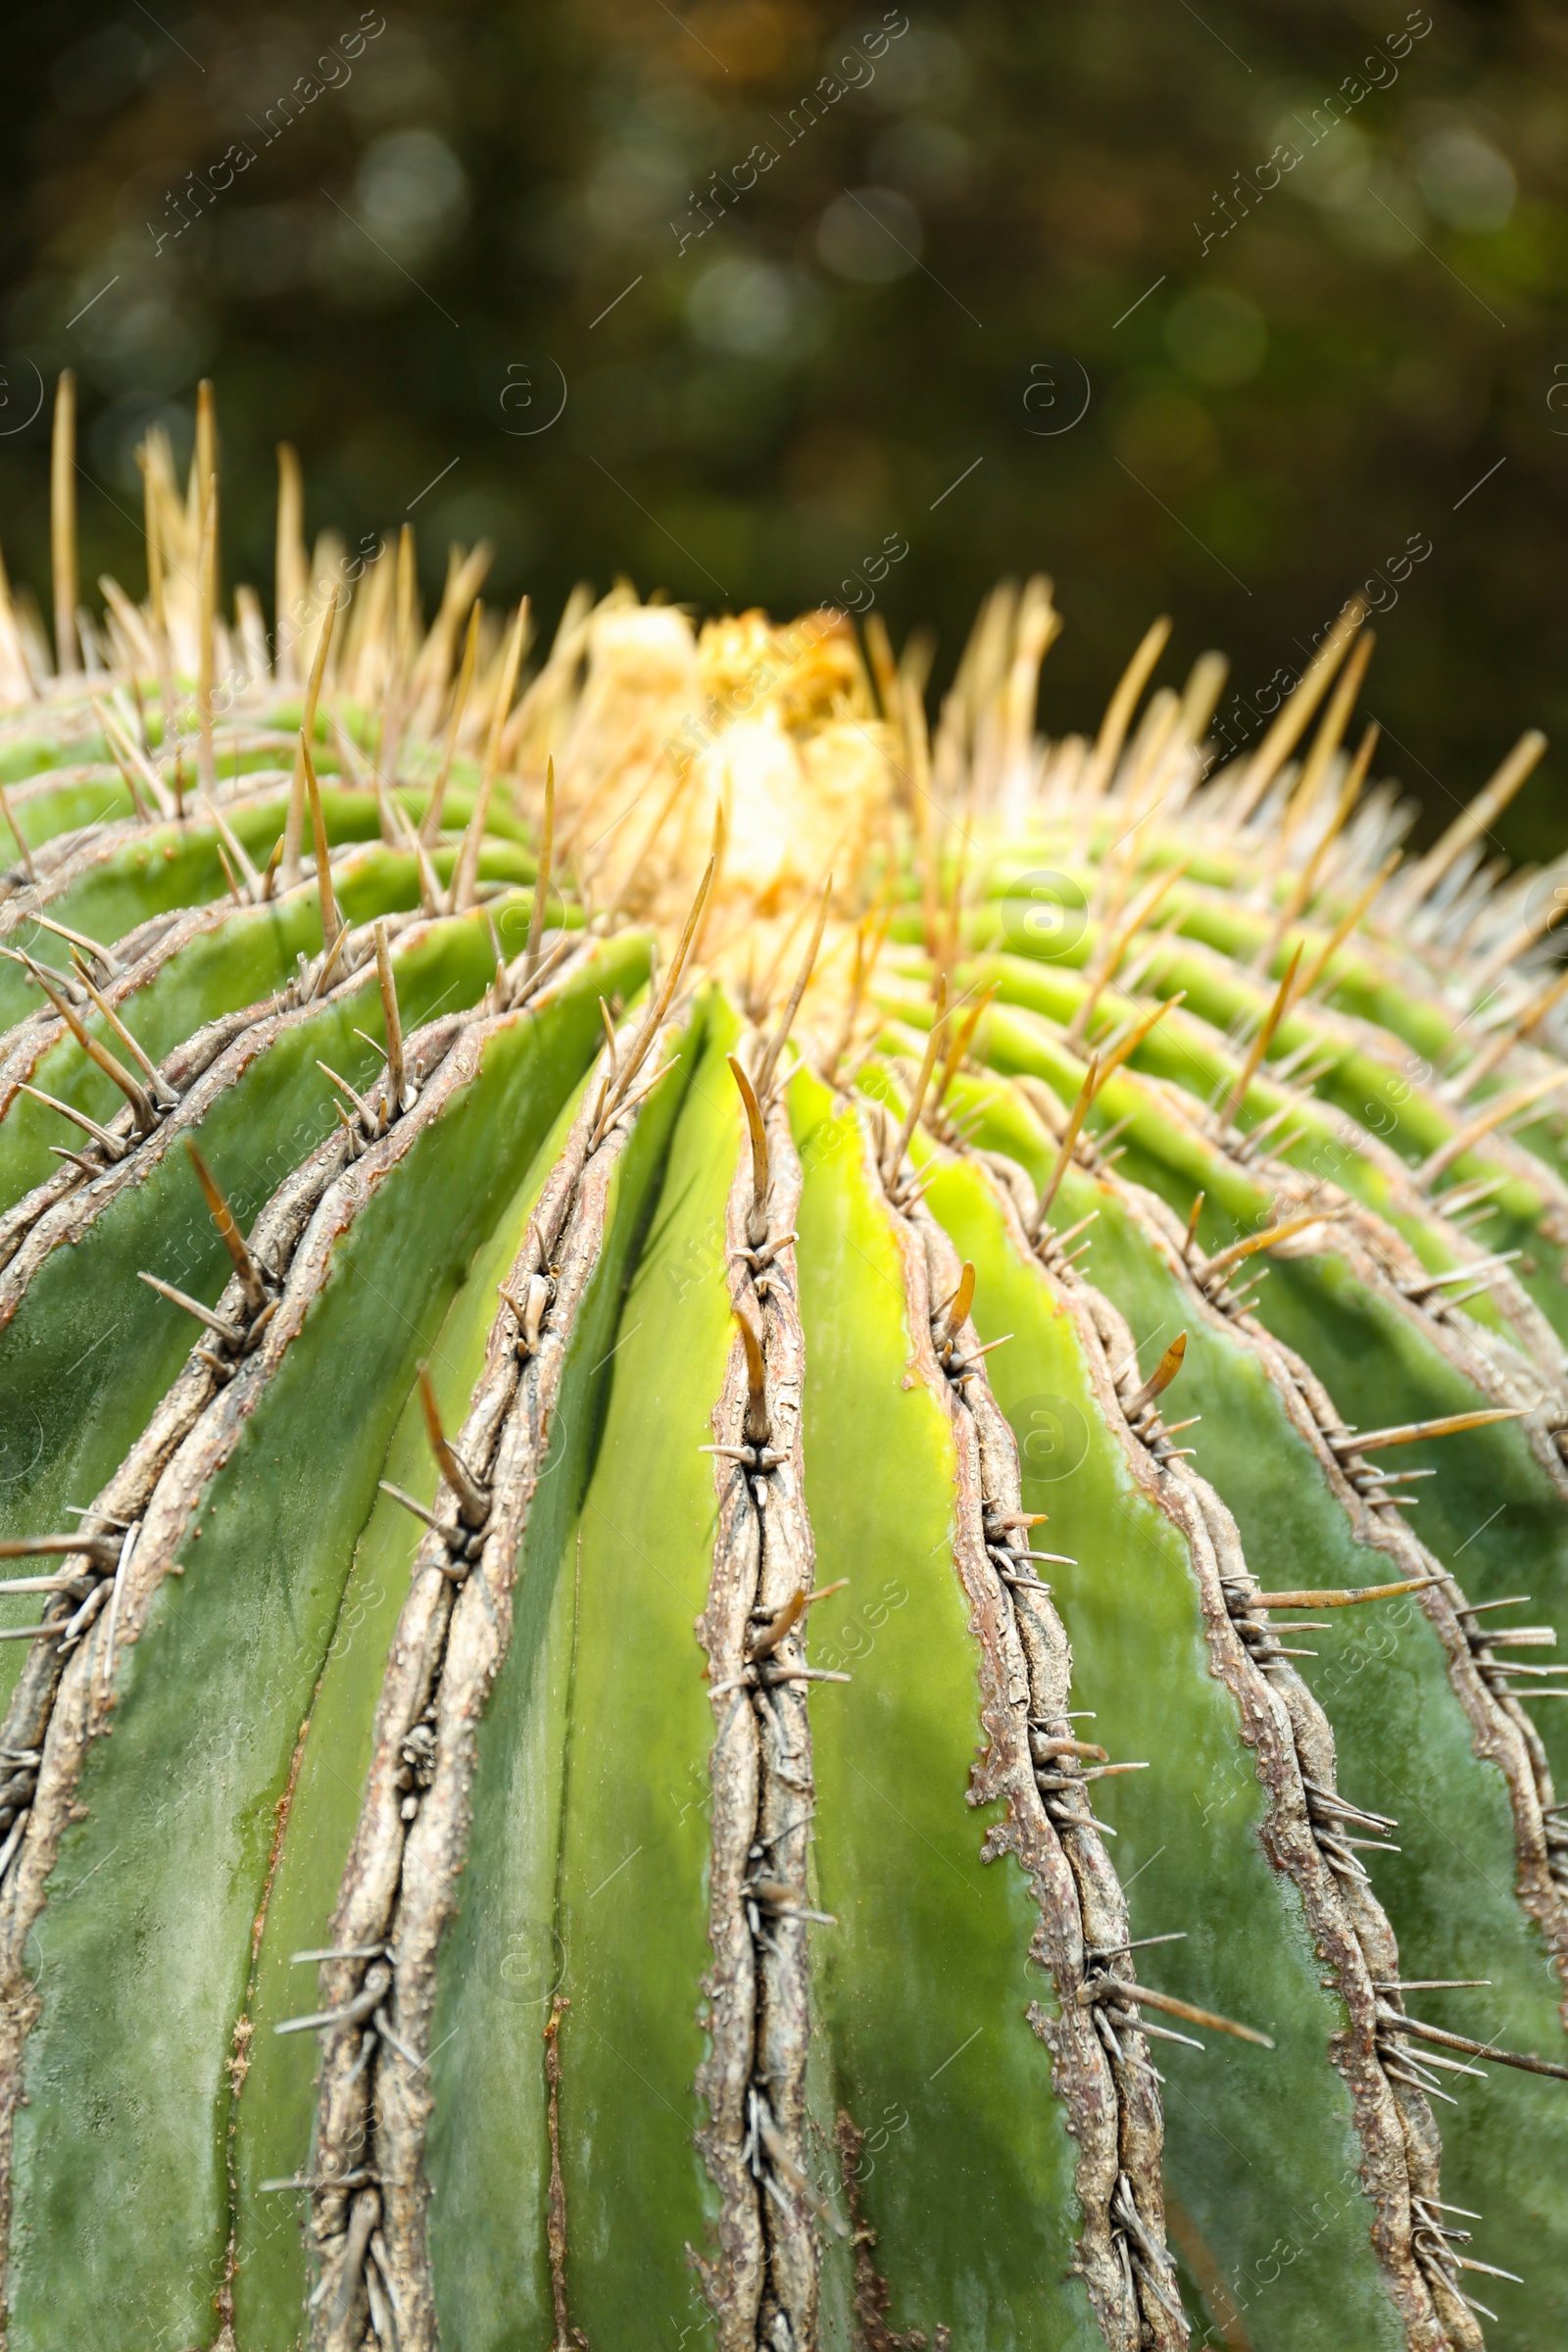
{"x": 483, "y": 206}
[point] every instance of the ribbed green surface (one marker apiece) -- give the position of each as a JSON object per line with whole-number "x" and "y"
{"x": 214, "y": 1822}
{"x": 143, "y": 1977}
{"x": 507, "y": 1956}
{"x": 631, "y": 1901}
{"x": 967, "y": 2178}
{"x": 1405, "y": 1749}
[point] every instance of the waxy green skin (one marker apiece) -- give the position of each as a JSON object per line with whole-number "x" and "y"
{"x": 143, "y": 1979}
{"x": 271, "y": 2115}
{"x": 1190, "y": 1052}
{"x": 1362, "y": 983}
{"x": 923, "y": 1985}
{"x": 1191, "y": 1047}
{"x": 1383, "y": 1087}
{"x": 157, "y": 868}
{"x": 488, "y": 2061}
{"x": 93, "y": 791}
{"x": 631, "y": 1900}
{"x": 149, "y": 869}
{"x": 89, "y": 788}
{"x": 1492, "y": 1511}
{"x": 1388, "y": 1095}
{"x": 100, "y": 799}
{"x": 242, "y": 961}
{"x": 513, "y": 1946}
{"x": 566, "y": 1686}
{"x": 249, "y": 959}
{"x": 67, "y": 1414}
{"x": 1412, "y": 1015}
{"x": 1187, "y": 1829}
{"x": 1403, "y": 1744}
{"x": 29, "y": 751}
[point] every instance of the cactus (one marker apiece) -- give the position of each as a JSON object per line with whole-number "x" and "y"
{"x": 626, "y": 1723}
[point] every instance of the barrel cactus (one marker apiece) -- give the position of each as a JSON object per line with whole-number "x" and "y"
{"x": 625, "y": 1723}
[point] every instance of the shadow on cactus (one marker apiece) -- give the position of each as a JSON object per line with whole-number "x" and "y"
{"x": 789, "y": 1500}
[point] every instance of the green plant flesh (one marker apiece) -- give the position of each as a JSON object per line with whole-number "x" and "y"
{"x": 785, "y": 1584}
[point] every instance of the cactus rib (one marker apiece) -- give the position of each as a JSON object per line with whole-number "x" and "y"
{"x": 1502, "y": 1729}
{"x": 1101, "y": 2068}
{"x": 400, "y": 1881}
{"x": 199, "y": 1431}
{"x": 1293, "y": 1749}
{"x": 1497, "y": 1731}
{"x": 752, "y": 1630}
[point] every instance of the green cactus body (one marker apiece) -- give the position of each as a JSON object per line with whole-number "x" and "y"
{"x": 259, "y": 1599}
{"x": 1196, "y": 1840}
{"x": 650, "y": 1682}
{"x": 1382, "y": 1353}
{"x": 1400, "y": 1121}
{"x": 931, "y": 1940}
{"x": 204, "y": 963}
{"x": 503, "y": 2099}
{"x": 257, "y": 1108}
{"x": 1406, "y": 1706}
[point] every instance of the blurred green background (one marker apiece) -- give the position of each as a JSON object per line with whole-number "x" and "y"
{"x": 1026, "y": 287}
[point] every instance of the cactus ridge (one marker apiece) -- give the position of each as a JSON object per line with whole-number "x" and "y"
{"x": 210, "y": 1061}
{"x": 753, "y": 1634}
{"x": 996, "y": 1237}
{"x": 1025, "y": 1684}
{"x": 449, "y": 1643}
{"x": 1294, "y": 1746}
{"x": 144, "y": 1515}
{"x": 1386, "y": 1267}
{"x": 1502, "y": 1729}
